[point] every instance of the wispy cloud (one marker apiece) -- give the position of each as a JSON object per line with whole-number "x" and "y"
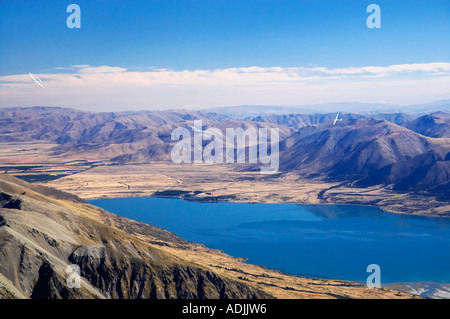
{"x": 423, "y": 68}
{"x": 111, "y": 87}
{"x": 87, "y": 69}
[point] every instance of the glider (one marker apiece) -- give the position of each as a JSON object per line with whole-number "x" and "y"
{"x": 337, "y": 119}
{"x": 37, "y": 81}
{"x": 196, "y": 129}
{"x": 200, "y": 131}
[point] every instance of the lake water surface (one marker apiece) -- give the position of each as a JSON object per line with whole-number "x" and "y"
{"x": 329, "y": 241}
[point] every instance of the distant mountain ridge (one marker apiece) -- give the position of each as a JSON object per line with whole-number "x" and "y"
{"x": 119, "y": 137}
{"x": 369, "y": 152}
{"x": 244, "y": 111}
{"x": 396, "y": 150}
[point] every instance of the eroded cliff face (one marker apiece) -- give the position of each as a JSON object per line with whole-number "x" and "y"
{"x": 41, "y": 235}
{"x": 119, "y": 276}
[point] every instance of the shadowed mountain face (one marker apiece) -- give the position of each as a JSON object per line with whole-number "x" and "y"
{"x": 432, "y": 125}
{"x": 368, "y": 152}
{"x": 40, "y": 235}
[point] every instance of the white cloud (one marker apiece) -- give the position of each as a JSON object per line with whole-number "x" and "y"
{"x": 87, "y": 69}
{"x": 116, "y": 88}
{"x": 427, "y": 68}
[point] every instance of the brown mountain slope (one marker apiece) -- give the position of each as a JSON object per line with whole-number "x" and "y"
{"x": 118, "y": 137}
{"x": 40, "y": 236}
{"x": 299, "y": 121}
{"x": 368, "y": 152}
{"x": 432, "y": 125}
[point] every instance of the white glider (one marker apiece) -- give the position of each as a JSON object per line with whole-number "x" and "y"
{"x": 200, "y": 131}
{"x": 337, "y": 119}
{"x": 196, "y": 129}
{"x": 37, "y": 81}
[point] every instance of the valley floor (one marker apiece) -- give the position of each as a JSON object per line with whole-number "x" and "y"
{"x": 204, "y": 182}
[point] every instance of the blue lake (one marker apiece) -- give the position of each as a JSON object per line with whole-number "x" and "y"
{"x": 328, "y": 241}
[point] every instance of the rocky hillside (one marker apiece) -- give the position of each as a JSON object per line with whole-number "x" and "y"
{"x": 432, "y": 125}
{"x": 40, "y": 235}
{"x": 369, "y": 152}
{"x": 299, "y": 121}
{"x": 118, "y": 137}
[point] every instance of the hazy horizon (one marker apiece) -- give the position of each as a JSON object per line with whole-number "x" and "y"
{"x": 237, "y": 110}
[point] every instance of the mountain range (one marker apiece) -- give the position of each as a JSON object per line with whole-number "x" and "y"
{"x": 397, "y": 150}
{"x": 369, "y": 152}
{"x": 244, "y": 111}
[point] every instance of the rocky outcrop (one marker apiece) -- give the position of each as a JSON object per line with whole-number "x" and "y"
{"x": 50, "y": 285}
{"x": 7, "y": 201}
{"x": 119, "y": 276}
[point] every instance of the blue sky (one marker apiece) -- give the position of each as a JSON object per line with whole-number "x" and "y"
{"x": 138, "y": 36}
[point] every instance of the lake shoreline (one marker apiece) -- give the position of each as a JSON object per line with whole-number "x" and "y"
{"x": 234, "y": 199}
{"x": 218, "y": 183}
{"x": 300, "y": 275}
